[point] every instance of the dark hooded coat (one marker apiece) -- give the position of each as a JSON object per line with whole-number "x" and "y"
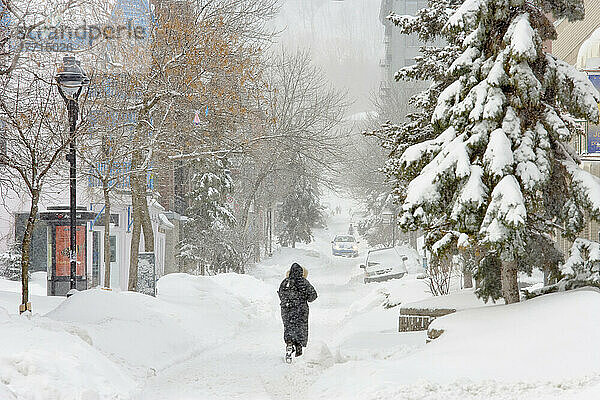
{"x": 295, "y": 292}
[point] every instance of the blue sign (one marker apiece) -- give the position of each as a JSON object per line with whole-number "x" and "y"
{"x": 595, "y": 79}
{"x": 593, "y": 138}
{"x": 593, "y": 131}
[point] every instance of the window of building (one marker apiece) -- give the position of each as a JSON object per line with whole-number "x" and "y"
{"x": 411, "y": 7}
{"x": 409, "y": 61}
{"x": 113, "y": 249}
{"x": 412, "y": 40}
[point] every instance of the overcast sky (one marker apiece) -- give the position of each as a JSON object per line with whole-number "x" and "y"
{"x": 345, "y": 38}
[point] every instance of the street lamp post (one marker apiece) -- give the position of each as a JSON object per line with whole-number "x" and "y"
{"x": 71, "y": 79}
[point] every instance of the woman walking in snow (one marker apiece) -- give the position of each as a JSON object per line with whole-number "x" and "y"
{"x": 295, "y": 292}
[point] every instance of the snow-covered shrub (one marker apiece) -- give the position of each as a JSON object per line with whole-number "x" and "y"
{"x": 10, "y": 263}
{"x": 582, "y": 268}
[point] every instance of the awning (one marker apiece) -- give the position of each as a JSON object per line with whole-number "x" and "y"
{"x": 164, "y": 221}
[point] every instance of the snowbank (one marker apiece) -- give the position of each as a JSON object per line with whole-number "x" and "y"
{"x": 37, "y": 284}
{"x": 463, "y": 300}
{"x": 379, "y": 345}
{"x": 6, "y": 393}
{"x": 549, "y": 335}
{"x": 547, "y": 339}
{"x": 40, "y": 361}
{"x": 259, "y": 299}
{"x": 39, "y": 304}
{"x": 391, "y": 293}
{"x": 10, "y": 295}
{"x": 190, "y": 314}
{"x": 134, "y": 330}
{"x": 97, "y": 343}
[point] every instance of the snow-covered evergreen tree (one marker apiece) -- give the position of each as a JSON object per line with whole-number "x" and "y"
{"x": 209, "y": 239}
{"x": 300, "y": 212}
{"x": 497, "y": 166}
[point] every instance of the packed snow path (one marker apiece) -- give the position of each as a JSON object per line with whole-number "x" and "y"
{"x": 251, "y": 365}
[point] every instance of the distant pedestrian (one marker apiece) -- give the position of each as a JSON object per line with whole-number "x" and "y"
{"x": 295, "y": 292}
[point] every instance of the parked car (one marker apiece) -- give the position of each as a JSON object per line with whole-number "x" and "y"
{"x": 384, "y": 264}
{"x": 344, "y": 245}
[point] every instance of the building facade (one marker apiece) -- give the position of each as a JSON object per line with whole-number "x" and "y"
{"x": 400, "y": 50}
{"x": 578, "y": 43}
{"x": 571, "y": 35}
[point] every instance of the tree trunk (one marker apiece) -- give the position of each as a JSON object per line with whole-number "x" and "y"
{"x": 147, "y": 226}
{"x": 137, "y": 215}
{"x": 478, "y": 255}
{"x": 25, "y": 249}
{"x": 135, "y": 250}
{"x": 510, "y": 287}
{"x": 141, "y": 215}
{"x": 141, "y": 222}
{"x": 106, "y": 234}
{"x": 468, "y": 278}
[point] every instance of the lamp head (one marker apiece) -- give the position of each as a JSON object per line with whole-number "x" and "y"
{"x": 71, "y": 76}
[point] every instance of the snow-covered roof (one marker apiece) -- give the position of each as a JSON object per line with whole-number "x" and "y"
{"x": 588, "y": 56}
{"x": 165, "y": 221}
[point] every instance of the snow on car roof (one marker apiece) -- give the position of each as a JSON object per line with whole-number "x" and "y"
{"x": 344, "y": 238}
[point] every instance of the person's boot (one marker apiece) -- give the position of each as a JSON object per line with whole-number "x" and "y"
{"x": 298, "y": 350}
{"x": 289, "y": 349}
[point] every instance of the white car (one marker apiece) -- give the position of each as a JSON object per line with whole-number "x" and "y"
{"x": 384, "y": 264}
{"x": 344, "y": 245}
